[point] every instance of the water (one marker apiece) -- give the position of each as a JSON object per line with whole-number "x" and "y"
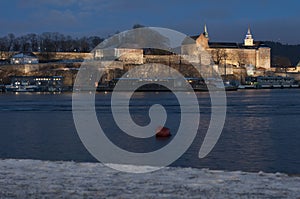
{"x": 261, "y": 133}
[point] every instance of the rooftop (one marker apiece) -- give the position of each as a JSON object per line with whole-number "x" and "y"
{"x": 256, "y": 44}
{"x": 24, "y": 55}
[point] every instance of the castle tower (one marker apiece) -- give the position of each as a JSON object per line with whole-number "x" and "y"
{"x": 202, "y": 40}
{"x": 248, "y": 41}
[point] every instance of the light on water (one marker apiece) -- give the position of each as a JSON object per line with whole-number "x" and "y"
{"x": 261, "y": 132}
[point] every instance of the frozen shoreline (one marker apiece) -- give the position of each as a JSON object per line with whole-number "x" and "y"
{"x": 36, "y": 179}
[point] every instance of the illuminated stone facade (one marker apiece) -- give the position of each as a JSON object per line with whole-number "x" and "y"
{"x": 250, "y": 52}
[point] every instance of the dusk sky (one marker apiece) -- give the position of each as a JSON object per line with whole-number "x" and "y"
{"x": 226, "y": 20}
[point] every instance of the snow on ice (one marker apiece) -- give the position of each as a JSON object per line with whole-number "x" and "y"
{"x": 45, "y": 179}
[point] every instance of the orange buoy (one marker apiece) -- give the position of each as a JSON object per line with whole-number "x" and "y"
{"x": 162, "y": 132}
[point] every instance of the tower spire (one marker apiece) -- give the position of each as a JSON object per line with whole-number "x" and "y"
{"x": 205, "y": 31}
{"x": 248, "y": 41}
{"x": 249, "y": 32}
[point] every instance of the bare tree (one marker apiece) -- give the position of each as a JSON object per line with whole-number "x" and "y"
{"x": 25, "y": 43}
{"x": 17, "y": 45}
{"x": 6, "y": 42}
{"x": 67, "y": 43}
{"x": 219, "y": 55}
{"x": 56, "y": 39}
{"x": 11, "y": 37}
{"x": 240, "y": 58}
{"x": 84, "y": 44}
{"x": 94, "y": 41}
{"x": 48, "y": 42}
{"x": 33, "y": 39}
{"x": 3, "y": 45}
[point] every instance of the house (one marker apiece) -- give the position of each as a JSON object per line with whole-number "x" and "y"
{"x": 24, "y": 58}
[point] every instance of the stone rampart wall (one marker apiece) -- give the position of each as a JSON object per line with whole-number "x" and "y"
{"x": 51, "y": 55}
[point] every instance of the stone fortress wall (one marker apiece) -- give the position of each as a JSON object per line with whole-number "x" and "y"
{"x": 260, "y": 58}
{"x": 248, "y": 53}
{"x": 52, "y": 55}
{"x": 235, "y": 54}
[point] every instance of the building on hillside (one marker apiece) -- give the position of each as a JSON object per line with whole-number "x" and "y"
{"x": 250, "y": 52}
{"x": 24, "y": 58}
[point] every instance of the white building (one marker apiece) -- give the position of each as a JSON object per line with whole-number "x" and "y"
{"x": 24, "y": 58}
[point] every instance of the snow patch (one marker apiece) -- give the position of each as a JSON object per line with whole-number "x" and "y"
{"x": 46, "y": 179}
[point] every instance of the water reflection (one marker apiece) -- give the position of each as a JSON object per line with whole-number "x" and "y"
{"x": 261, "y": 130}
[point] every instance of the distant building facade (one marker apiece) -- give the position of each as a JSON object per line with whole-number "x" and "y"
{"x": 126, "y": 55}
{"x": 36, "y": 83}
{"x": 24, "y": 58}
{"x": 249, "y": 52}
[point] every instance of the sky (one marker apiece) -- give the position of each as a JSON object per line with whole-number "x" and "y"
{"x": 227, "y": 20}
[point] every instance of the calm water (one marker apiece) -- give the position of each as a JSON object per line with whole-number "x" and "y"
{"x": 261, "y": 133}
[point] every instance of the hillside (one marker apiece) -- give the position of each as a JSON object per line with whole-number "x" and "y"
{"x": 283, "y": 53}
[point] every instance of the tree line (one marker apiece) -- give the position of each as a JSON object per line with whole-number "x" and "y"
{"x": 284, "y": 54}
{"x": 51, "y": 42}
{"x": 48, "y": 42}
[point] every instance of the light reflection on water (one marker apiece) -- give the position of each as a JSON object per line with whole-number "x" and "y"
{"x": 261, "y": 130}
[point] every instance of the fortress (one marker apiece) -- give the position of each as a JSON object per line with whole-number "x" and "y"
{"x": 235, "y": 59}
{"x": 249, "y": 53}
